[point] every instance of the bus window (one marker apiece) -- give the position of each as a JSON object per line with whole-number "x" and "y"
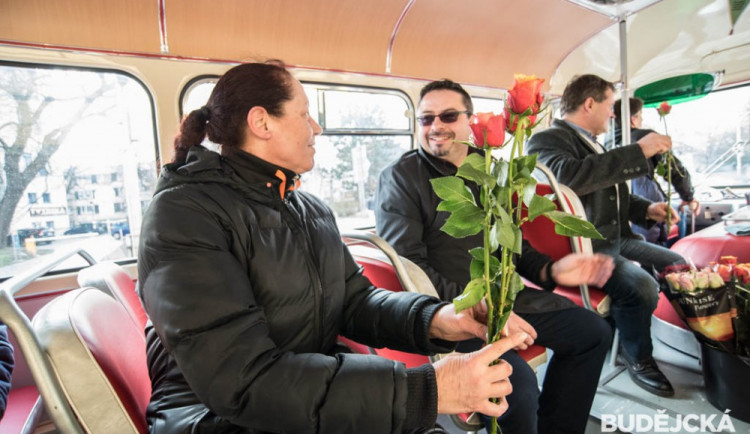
{"x": 196, "y": 94}
{"x": 488, "y": 105}
{"x": 78, "y": 163}
{"x": 364, "y": 130}
{"x": 711, "y": 136}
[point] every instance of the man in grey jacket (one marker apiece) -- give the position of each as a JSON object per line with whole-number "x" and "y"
{"x": 569, "y": 148}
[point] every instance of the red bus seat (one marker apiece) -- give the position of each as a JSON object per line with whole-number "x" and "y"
{"x": 98, "y": 354}
{"x": 402, "y": 275}
{"x": 115, "y": 281}
{"x": 23, "y": 411}
{"x": 540, "y": 233}
{"x": 379, "y": 269}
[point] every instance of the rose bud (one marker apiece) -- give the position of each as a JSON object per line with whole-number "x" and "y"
{"x": 715, "y": 281}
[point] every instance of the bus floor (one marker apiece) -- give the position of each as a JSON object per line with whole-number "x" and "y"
{"x": 620, "y": 397}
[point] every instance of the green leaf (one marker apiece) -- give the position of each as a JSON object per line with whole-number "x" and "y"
{"x": 571, "y": 226}
{"x": 523, "y": 166}
{"x": 505, "y": 234}
{"x": 530, "y": 162}
{"x": 452, "y": 189}
{"x": 540, "y": 205}
{"x": 516, "y": 285}
{"x": 464, "y": 222}
{"x": 529, "y": 191}
{"x": 477, "y": 176}
{"x": 477, "y": 253}
{"x": 477, "y": 263}
{"x": 519, "y": 239}
{"x": 500, "y": 212}
{"x": 473, "y": 294}
{"x": 500, "y": 172}
{"x": 493, "y": 237}
{"x": 476, "y": 269}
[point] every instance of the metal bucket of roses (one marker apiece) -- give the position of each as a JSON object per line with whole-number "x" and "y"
{"x": 714, "y": 303}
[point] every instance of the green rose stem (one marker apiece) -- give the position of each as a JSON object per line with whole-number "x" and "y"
{"x": 507, "y": 267}
{"x": 486, "y": 234}
{"x": 669, "y": 181}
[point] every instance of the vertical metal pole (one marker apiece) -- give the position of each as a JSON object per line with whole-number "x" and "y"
{"x": 625, "y": 91}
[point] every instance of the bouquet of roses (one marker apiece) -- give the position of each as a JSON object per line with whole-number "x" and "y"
{"x": 738, "y": 275}
{"x": 713, "y": 302}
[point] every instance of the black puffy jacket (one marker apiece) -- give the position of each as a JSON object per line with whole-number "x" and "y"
{"x": 248, "y": 285}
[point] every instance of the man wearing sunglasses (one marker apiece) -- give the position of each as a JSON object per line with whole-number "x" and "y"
{"x": 407, "y": 217}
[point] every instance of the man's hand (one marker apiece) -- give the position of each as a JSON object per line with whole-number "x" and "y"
{"x": 654, "y": 143}
{"x": 466, "y": 382}
{"x": 577, "y": 268}
{"x": 451, "y": 326}
{"x": 658, "y": 213}
{"x": 516, "y": 325}
{"x": 693, "y": 205}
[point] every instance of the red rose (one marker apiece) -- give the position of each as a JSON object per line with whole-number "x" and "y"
{"x": 742, "y": 272}
{"x": 725, "y": 271}
{"x": 489, "y": 127}
{"x": 526, "y": 93}
{"x": 664, "y": 109}
{"x": 728, "y": 260}
{"x": 511, "y": 126}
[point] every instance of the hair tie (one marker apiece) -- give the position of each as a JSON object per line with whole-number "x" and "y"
{"x": 205, "y": 112}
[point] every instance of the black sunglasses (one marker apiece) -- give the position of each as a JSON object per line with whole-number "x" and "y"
{"x": 446, "y": 117}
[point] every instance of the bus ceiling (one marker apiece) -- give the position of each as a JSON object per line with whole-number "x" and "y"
{"x": 479, "y": 42}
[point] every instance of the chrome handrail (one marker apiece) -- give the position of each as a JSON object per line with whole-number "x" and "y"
{"x": 390, "y": 252}
{"x": 47, "y": 383}
{"x": 561, "y": 198}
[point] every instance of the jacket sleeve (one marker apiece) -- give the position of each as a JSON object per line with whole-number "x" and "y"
{"x": 583, "y": 170}
{"x": 206, "y": 313}
{"x": 399, "y": 221}
{"x": 638, "y": 210}
{"x": 530, "y": 265}
{"x": 681, "y": 181}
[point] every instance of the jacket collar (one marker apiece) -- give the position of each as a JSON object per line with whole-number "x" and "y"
{"x": 239, "y": 170}
{"x": 254, "y": 170}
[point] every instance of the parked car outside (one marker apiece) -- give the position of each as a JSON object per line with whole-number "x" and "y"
{"x": 119, "y": 230}
{"x": 86, "y": 228}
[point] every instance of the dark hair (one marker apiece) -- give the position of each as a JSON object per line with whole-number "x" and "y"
{"x": 636, "y": 105}
{"x": 446, "y": 84}
{"x": 223, "y": 118}
{"x": 582, "y": 87}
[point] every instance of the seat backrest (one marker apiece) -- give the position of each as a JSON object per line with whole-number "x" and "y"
{"x": 541, "y": 234}
{"x": 381, "y": 265}
{"x": 115, "y": 281}
{"x": 99, "y": 355}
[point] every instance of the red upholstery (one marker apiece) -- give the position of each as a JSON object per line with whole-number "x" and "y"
{"x": 22, "y": 412}
{"x": 383, "y": 275}
{"x": 712, "y": 242}
{"x": 119, "y": 349}
{"x": 114, "y": 280}
{"x": 98, "y": 354}
{"x": 540, "y": 233}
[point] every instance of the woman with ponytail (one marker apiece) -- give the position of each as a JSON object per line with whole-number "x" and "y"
{"x": 248, "y": 285}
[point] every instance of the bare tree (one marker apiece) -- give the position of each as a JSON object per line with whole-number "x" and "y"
{"x": 33, "y": 126}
